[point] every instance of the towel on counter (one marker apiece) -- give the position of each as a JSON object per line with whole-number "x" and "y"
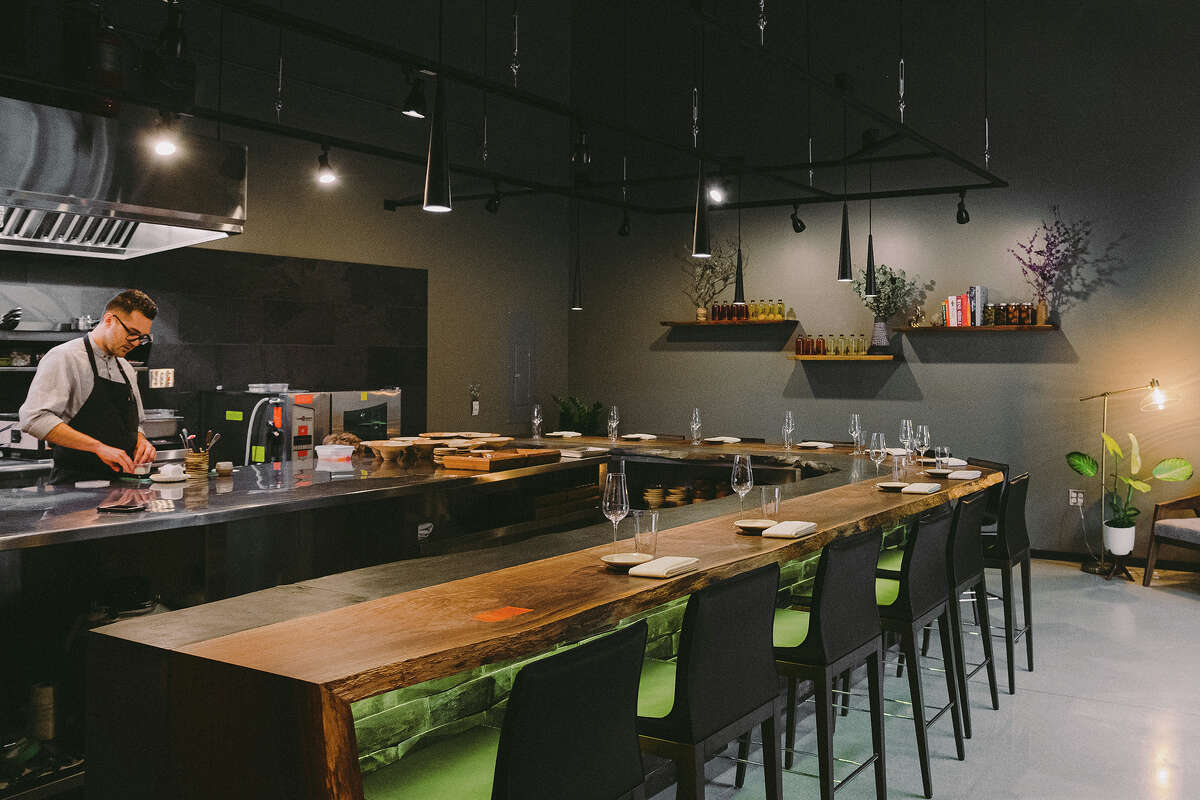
{"x": 921, "y": 488}
{"x": 642, "y": 436}
{"x": 954, "y": 462}
{"x": 723, "y": 439}
{"x": 565, "y": 434}
{"x": 896, "y": 451}
{"x": 964, "y": 475}
{"x": 665, "y": 567}
{"x": 818, "y": 445}
{"x": 790, "y": 529}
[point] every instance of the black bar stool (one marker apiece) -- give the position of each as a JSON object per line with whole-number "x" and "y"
{"x": 556, "y": 741}
{"x": 908, "y": 604}
{"x": 839, "y": 632}
{"x": 1007, "y": 549}
{"x": 723, "y": 683}
{"x": 995, "y": 492}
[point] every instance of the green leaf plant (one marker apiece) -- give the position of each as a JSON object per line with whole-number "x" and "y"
{"x": 1122, "y": 486}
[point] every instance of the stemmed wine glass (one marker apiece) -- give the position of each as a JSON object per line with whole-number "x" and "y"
{"x": 742, "y": 479}
{"x": 878, "y": 451}
{"x": 616, "y": 501}
{"x": 906, "y": 436}
{"x": 923, "y": 439}
{"x": 855, "y": 432}
{"x": 789, "y": 427}
{"x": 695, "y": 426}
{"x": 536, "y": 420}
{"x": 614, "y": 421}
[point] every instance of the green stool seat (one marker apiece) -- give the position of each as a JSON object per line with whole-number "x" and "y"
{"x": 886, "y": 591}
{"x": 791, "y": 627}
{"x": 656, "y": 691}
{"x": 454, "y": 768}
{"x": 891, "y": 560}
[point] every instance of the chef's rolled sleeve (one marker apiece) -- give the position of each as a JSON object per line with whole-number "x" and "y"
{"x": 49, "y": 397}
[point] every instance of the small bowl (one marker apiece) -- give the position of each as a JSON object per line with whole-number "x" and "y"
{"x": 623, "y": 562}
{"x": 938, "y": 473}
{"x": 891, "y": 486}
{"x": 753, "y": 527}
{"x": 387, "y": 450}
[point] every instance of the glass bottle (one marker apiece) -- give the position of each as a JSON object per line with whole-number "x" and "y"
{"x": 799, "y": 345}
{"x": 715, "y": 314}
{"x": 780, "y": 310}
{"x": 819, "y": 345}
{"x": 841, "y": 345}
{"x": 861, "y": 345}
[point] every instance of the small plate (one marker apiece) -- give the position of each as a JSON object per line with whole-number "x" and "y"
{"x": 938, "y": 473}
{"x": 159, "y": 478}
{"x": 754, "y": 527}
{"x": 891, "y": 486}
{"x": 622, "y": 562}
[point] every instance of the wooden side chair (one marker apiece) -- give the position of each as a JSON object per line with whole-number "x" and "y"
{"x": 1178, "y": 531}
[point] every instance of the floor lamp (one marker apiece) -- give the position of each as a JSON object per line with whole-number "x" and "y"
{"x": 1156, "y": 400}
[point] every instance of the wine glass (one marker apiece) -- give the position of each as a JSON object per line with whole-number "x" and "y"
{"x": 614, "y": 421}
{"x": 536, "y": 420}
{"x": 742, "y": 479}
{"x": 789, "y": 427}
{"x": 855, "y": 431}
{"x": 923, "y": 439}
{"x": 695, "y": 426}
{"x": 616, "y": 501}
{"x": 878, "y": 451}
{"x": 906, "y": 435}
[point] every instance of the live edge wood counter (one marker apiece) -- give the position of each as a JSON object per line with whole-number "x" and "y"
{"x": 265, "y": 713}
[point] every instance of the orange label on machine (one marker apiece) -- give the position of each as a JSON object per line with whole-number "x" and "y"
{"x": 304, "y": 399}
{"x": 501, "y": 614}
{"x": 302, "y": 430}
{"x": 278, "y": 416}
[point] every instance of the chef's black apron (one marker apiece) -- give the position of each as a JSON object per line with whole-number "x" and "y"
{"x": 109, "y": 415}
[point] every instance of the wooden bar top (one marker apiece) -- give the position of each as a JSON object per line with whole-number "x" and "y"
{"x": 360, "y": 650}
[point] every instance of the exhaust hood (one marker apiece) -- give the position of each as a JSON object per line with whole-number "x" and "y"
{"x": 78, "y": 184}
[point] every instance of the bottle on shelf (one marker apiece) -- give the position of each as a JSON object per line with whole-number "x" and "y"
{"x": 780, "y": 310}
{"x": 841, "y": 344}
{"x": 819, "y": 345}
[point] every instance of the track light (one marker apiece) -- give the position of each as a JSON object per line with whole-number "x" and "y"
{"x": 325, "y": 173}
{"x": 963, "y": 216}
{"x": 700, "y": 245}
{"x": 493, "y": 202}
{"x": 414, "y": 104}
{"x": 581, "y": 154}
{"x": 797, "y": 224}
{"x": 716, "y": 192}
{"x": 437, "y": 161}
{"x": 165, "y": 141}
{"x": 624, "y": 229}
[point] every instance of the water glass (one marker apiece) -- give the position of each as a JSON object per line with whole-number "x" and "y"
{"x": 615, "y": 504}
{"x": 878, "y": 450}
{"x": 770, "y": 502}
{"x": 855, "y": 431}
{"x": 536, "y": 420}
{"x": 695, "y": 426}
{"x": 941, "y": 454}
{"x": 742, "y": 479}
{"x": 645, "y": 532}
{"x": 789, "y": 427}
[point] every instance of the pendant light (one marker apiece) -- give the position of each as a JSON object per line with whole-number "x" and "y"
{"x": 739, "y": 289}
{"x": 437, "y": 162}
{"x": 845, "y": 268}
{"x": 869, "y": 287}
{"x": 325, "y": 173}
{"x": 414, "y": 105}
{"x": 577, "y": 273}
{"x": 700, "y": 243}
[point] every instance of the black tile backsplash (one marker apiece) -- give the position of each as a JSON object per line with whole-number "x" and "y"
{"x": 231, "y": 319}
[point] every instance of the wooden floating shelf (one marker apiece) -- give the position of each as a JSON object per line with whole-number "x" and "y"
{"x": 843, "y": 358}
{"x": 731, "y": 324}
{"x": 977, "y": 328}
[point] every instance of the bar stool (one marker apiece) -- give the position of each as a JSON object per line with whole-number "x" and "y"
{"x": 722, "y": 684}
{"x": 991, "y": 515}
{"x": 908, "y": 604}
{"x": 1007, "y": 549}
{"x": 556, "y": 741}
{"x": 838, "y": 633}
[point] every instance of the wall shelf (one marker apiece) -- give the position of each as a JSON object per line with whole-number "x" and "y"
{"x": 978, "y": 329}
{"x": 34, "y": 369}
{"x": 39, "y": 336}
{"x": 888, "y": 357}
{"x": 731, "y": 324}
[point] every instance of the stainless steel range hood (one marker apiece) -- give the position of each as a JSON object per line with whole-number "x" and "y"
{"x": 78, "y": 184}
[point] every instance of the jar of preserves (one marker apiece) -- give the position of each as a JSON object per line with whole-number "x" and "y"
{"x": 1026, "y": 313}
{"x": 799, "y": 345}
{"x": 809, "y": 347}
{"x": 1014, "y": 314}
{"x": 715, "y": 314}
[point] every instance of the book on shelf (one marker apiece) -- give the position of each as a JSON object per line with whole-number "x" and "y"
{"x": 979, "y": 298}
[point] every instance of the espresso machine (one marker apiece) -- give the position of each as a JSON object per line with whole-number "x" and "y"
{"x": 258, "y": 428}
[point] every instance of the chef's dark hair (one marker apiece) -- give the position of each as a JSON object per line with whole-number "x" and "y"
{"x": 132, "y": 300}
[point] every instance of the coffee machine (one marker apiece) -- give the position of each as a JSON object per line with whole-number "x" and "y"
{"x": 260, "y": 428}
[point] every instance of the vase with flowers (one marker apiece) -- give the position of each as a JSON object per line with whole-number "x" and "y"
{"x": 896, "y": 294}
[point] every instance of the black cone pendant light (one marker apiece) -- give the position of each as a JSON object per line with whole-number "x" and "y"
{"x": 700, "y": 243}
{"x": 845, "y": 268}
{"x": 739, "y": 288}
{"x": 869, "y": 287}
{"x": 577, "y": 272}
{"x": 437, "y": 163}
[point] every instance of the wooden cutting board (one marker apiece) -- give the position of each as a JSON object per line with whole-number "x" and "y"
{"x": 541, "y": 456}
{"x": 491, "y": 463}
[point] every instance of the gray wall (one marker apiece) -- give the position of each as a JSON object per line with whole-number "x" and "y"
{"x": 1085, "y": 116}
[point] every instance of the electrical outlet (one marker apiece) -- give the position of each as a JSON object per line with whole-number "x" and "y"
{"x": 1075, "y": 497}
{"x": 162, "y": 378}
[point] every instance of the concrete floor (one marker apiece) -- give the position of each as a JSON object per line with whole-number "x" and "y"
{"x": 1111, "y": 709}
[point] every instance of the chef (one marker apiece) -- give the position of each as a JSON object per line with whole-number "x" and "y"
{"x": 84, "y": 398}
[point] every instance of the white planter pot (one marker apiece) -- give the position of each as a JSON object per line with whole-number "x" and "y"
{"x": 1119, "y": 541}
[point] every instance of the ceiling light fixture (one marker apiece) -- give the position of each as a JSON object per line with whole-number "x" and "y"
{"x": 437, "y": 197}
{"x": 797, "y": 224}
{"x": 414, "y": 104}
{"x": 581, "y": 153}
{"x": 962, "y": 216}
{"x": 165, "y": 140}
{"x": 869, "y": 287}
{"x": 717, "y": 192}
{"x": 845, "y": 268}
{"x": 325, "y": 173}
{"x": 739, "y": 288}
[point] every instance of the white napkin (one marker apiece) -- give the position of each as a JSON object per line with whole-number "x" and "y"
{"x": 954, "y": 462}
{"x": 790, "y": 529}
{"x": 642, "y": 436}
{"x": 921, "y": 488}
{"x": 723, "y": 439}
{"x": 91, "y": 484}
{"x": 897, "y": 451}
{"x": 565, "y": 434}
{"x": 819, "y": 445}
{"x": 964, "y": 475}
{"x": 583, "y": 452}
{"x": 665, "y": 567}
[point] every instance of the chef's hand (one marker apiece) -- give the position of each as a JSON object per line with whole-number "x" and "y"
{"x": 116, "y": 458}
{"x": 145, "y": 453}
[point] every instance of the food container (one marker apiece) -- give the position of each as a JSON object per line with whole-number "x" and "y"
{"x": 160, "y": 426}
{"x": 335, "y": 452}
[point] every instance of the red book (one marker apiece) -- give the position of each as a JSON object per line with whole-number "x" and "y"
{"x": 964, "y": 310}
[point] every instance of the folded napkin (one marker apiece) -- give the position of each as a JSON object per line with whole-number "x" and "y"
{"x": 565, "y": 434}
{"x": 790, "y": 529}
{"x": 819, "y": 445}
{"x": 642, "y": 436}
{"x": 954, "y": 462}
{"x": 665, "y": 567}
{"x": 921, "y": 488}
{"x": 964, "y": 475}
{"x": 583, "y": 452}
{"x": 896, "y": 451}
{"x": 723, "y": 439}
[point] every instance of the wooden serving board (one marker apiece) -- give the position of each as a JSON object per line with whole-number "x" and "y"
{"x": 493, "y": 463}
{"x": 540, "y": 456}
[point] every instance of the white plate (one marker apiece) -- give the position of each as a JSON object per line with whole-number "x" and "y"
{"x": 938, "y": 473}
{"x": 891, "y": 486}
{"x": 623, "y": 561}
{"x": 754, "y": 526}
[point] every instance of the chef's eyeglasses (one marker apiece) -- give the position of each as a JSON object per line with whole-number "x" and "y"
{"x": 134, "y": 336}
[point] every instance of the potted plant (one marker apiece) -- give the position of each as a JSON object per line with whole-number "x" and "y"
{"x": 1119, "y": 527}
{"x": 897, "y": 294}
{"x": 706, "y": 278}
{"x": 575, "y": 415}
